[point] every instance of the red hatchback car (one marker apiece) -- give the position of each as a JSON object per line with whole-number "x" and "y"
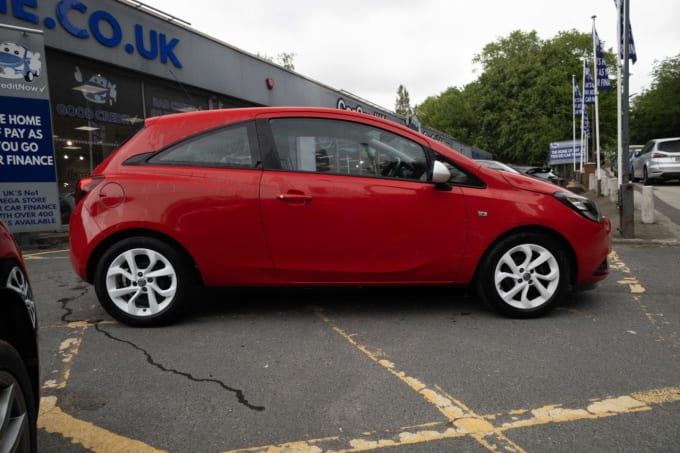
{"x": 314, "y": 197}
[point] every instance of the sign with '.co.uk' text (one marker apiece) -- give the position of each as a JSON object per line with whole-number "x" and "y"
{"x": 29, "y": 199}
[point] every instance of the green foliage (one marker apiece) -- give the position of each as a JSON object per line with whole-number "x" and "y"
{"x": 450, "y": 112}
{"x": 522, "y": 100}
{"x": 656, "y": 112}
{"x": 402, "y": 105}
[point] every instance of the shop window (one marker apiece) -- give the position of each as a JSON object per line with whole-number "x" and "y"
{"x": 95, "y": 108}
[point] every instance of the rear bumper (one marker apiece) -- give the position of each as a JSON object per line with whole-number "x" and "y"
{"x": 664, "y": 170}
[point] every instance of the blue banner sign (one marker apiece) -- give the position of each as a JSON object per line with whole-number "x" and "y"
{"x": 563, "y": 152}
{"x": 29, "y": 200}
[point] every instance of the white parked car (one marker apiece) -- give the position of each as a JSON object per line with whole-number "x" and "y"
{"x": 659, "y": 160}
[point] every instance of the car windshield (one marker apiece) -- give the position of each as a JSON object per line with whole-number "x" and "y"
{"x": 497, "y": 165}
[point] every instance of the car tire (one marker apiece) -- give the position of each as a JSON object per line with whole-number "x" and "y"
{"x": 524, "y": 275}
{"x": 18, "y": 418}
{"x": 646, "y": 180}
{"x": 143, "y": 281}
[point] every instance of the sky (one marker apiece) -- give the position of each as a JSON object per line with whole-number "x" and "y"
{"x": 370, "y": 47}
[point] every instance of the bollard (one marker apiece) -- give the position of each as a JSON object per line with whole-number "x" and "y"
{"x": 614, "y": 190}
{"x": 647, "y": 205}
{"x": 592, "y": 182}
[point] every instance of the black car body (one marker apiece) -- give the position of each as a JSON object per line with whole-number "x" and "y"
{"x": 19, "y": 364}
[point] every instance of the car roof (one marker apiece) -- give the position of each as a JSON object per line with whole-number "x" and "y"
{"x": 660, "y": 140}
{"x": 160, "y": 131}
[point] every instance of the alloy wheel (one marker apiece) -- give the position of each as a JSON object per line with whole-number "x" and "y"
{"x": 141, "y": 282}
{"x": 527, "y": 276}
{"x": 15, "y": 431}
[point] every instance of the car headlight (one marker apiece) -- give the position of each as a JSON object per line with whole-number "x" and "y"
{"x": 584, "y": 206}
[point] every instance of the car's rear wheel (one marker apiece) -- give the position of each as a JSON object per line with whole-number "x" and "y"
{"x": 646, "y": 180}
{"x": 143, "y": 281}
{"x": 17, "y": 405}
{"x": 524, "y": 275}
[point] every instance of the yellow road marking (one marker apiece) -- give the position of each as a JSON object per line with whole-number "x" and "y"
{"x": 53, "y": 420}
{"x": 68, "y": 350}
{"x": 657, "y": 320}
{"x": 40, "y": 255}
{"x": 513, "y": 419}
{"x": 463, "y": 419}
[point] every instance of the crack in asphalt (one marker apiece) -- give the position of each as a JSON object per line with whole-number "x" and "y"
{"x": 65, "y": 300}
{"x": 68, "y": 312}
{"x": 239, "y": 393}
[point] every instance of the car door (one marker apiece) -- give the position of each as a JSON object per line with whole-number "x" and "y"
{"x": 351, "y": 203}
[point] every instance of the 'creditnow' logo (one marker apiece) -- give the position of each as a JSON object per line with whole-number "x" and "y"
{"x": 74, "y": 17}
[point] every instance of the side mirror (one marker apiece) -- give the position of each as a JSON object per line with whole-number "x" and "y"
{"x": 440, "y": 174}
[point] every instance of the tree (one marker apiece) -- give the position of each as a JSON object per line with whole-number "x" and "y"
{"x": 656, "y": 112}
{"x": 450, "y": 112}
{"x": 522, "y": 99}
{"x": 403, "y": 104}
{"x": 286, "y": 60}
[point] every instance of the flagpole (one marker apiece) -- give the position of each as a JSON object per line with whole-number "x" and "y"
{"x": 619, "y": 87}
{"x": 597, "y": 114}
{"x": 627, "y": 221}
{"x": 584, "y": 154}
{"x": 573, "y": 121}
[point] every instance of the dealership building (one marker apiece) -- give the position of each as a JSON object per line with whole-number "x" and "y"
{"x": 110, "y": 64}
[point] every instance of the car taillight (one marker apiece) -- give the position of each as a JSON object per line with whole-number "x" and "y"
{"x": 657, "y": 155}
{"x": 85, "y": 186}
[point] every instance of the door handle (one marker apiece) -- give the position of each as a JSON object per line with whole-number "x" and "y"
{"x": 295, "y": 198}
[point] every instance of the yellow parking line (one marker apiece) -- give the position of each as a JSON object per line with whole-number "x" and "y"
{"x": 465, "y": 421}
{"x": 53, "y": 420}
{"x": 41, "y": 255}
{"x": 68, "y": 350}
{"x": 637, "y": 291}
{"x": 513, "y": 419}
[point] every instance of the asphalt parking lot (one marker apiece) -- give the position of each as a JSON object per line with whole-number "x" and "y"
{"x": 360, "y": 369}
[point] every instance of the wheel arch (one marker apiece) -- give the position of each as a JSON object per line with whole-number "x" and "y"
{"x": 101, "y": 248}
{"x": 16, "y": 329}
{"x": 536, "y": 229}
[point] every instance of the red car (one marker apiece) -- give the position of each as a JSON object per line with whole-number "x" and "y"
{"x": 313, "y": 197}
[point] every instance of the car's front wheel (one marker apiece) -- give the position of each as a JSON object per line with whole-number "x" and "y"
{"x": 17, "y": 406}
{"x": 143, "y": 281}
{"x": 524, "y": 275}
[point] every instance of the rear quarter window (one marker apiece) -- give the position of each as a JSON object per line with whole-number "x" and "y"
{"x": 231, "y": 146}
{"x": 671, "y": 146}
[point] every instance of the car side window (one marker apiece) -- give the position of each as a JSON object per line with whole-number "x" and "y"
{"x": 648, "y": 147}
{"x": 224, "y": 147}
{"x": 346, "y": 148}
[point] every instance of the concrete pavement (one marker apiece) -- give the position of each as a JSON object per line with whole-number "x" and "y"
{"x": 663, "y": 231}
